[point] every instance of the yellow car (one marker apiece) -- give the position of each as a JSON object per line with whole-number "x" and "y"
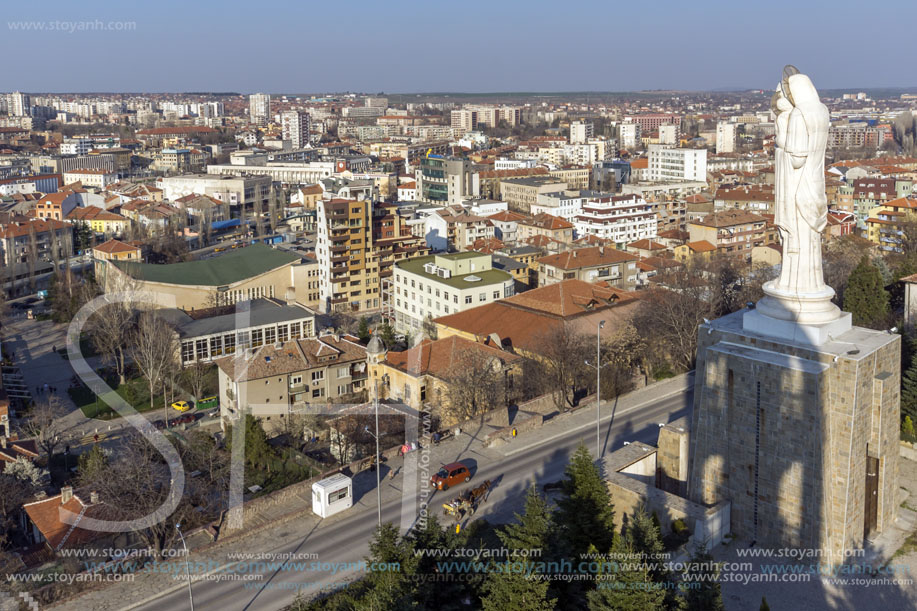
{"x": 181, "y": 406}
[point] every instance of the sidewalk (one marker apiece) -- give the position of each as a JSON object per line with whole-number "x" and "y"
{"x": 270, "y": 529}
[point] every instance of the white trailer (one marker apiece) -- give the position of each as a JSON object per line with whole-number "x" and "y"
{"x": 332, "y": 495}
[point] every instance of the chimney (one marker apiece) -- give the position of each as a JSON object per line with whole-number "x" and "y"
{"x": 602, "y": 250}
{"x": 93, "y": 497}
{"x": 66, "y": 493}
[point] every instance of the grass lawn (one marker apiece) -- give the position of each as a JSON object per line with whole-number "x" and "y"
{"x": 135, "y": 391}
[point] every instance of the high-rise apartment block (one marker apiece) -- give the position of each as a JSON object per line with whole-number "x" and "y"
{"x": 670, "y": 164}
{"x": 259, "y": 108}
{"x": 725, "y": 137}
{"x": 296, "y": 126}
{"x": 581, "y": 132}
{"x": 18, "y": 104}
{"x": 356, "y": 248}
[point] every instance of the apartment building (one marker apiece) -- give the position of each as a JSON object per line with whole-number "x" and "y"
{"x": 259, "y": 108}
{"x": 435, "y": 285}
{"x": 621, "y": 219}
{"x": 581, "y": 131}
{"x": 295, "y": 126}
{"x": 236, "y": 191}
{"x": 17, "y": 239}
{"x": 356, "y": 248}
{"x": 670, "y": 164}
{"x": 650, "y": 122}
{"x": 870, "y": 193}
{"x": 591, "y": 264}
{"x": 566, "y": 204}
{"x": 98, "y": 178}
{"x": 446, "y": 180}
{"x": 545, "y": 225}
{"x": 726, "y": 137}
{"x": 521, "y": 194}
{"x": 733, "y": 232}
{"x": 270, "y": 381}
{"x": 886, "y": 223}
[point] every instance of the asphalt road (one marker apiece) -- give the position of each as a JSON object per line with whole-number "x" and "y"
{"x": 345, "y": 538}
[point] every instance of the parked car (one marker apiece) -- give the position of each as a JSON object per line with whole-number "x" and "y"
{"x": 181, "y": 406}
{"x": 450, "y": 475}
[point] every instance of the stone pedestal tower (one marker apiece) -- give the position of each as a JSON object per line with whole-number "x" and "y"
{"x": 796, "y": 412}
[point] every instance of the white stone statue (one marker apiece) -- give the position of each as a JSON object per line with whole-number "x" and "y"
{"x": 800, "y": 294}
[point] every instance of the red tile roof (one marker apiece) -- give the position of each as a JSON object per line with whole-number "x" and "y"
{"x": 113, "y": 246}
{"x": 438, "y": 358}
{"x": 593, "y": 256}
{"x": 525, "y": 320}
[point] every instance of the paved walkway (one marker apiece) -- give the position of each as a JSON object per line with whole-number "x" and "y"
{"x": 33, "y": 343}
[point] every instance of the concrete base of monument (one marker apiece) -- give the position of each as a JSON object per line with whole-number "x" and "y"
{"x": 814, "y": 334}
{"x": 813, "y": 307}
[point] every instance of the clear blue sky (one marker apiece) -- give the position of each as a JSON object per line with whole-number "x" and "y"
{"x": 454, "y": 45}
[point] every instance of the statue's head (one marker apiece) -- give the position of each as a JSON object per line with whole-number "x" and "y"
{"x": 802, "y": 91}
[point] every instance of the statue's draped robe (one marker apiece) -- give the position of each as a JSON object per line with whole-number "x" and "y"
{"x": 801, "y": 206}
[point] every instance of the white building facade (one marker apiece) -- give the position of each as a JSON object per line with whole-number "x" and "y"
{"x": 437, "y": 285}
{"x": 622, "y": 219}
{"x": 670, "y": 164}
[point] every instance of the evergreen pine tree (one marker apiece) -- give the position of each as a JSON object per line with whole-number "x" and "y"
{"x": 92, "y": 464}
{"x": 585, "y": 513}
{"x": 909, "y": 391}
{"x": 865, "y": 296}
{"x": 625, "y": 583}
{"x": 363, "y": 331}
{"x": 432, "y": 593}
{"x": 510, "y": 585}
{"x": 702, "y": 591}
{"x": 390, "y": 589}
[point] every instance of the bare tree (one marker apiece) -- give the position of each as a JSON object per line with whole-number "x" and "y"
{"x": 476, "y": 383}
{"x": 135, "y": 484}
{"x": 671, "y": 316}
{"x": 153, "y": 350}
{"x": 272, "y": 211}
{"x": 110, "y": 331}
{"x": 259, "y": 218}
{"x": 44, "y": 425}
{"x": 624, "y": 355}
{"x": 562, "y": 349}
{"x": 32, "y": 255}
{"x": 195, "y": 374}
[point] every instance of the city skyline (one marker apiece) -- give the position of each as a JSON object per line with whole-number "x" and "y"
{"x": 484, "y": 49}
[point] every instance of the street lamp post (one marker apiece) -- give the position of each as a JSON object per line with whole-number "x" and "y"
{"x": 187, "y": 564}
{"x": 375, "y": 355}
{"x": 598, "y": 387}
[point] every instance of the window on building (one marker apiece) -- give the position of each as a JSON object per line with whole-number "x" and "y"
{"x": 257, "y": 338}
{"x": 343, "y": 372}
{"x": 283, "y": 332}
{"x": 455, "y": 299}
{"x": 229, "y": 343}
{"x": 270, "y": 335}
{"x": 318, "y": 375}
{"x": 296, "y": 330}
{"x": 318, "y": 392}
{"x": 296, "y": 380}
{"x": 467, "y": 298}
{"x": 482, "y": 296}
{"x": 216, "y": 346}
{"x": 187, "y": 351}
{"x": 496, "y": 294}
